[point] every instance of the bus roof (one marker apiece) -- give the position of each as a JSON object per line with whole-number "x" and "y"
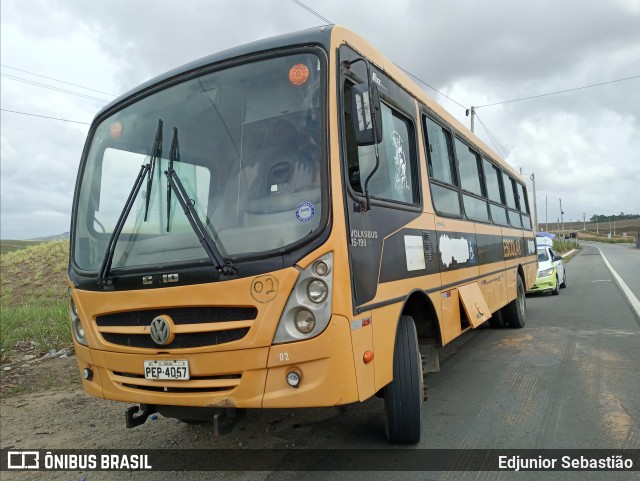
{"x": 322, "y": 36}
{"x": 312, "y": 36}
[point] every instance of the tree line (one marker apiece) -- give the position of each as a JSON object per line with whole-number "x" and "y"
{"x": 606, "y": 218}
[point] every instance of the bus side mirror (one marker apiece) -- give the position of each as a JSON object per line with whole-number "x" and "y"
{"x": 366, "y": 113}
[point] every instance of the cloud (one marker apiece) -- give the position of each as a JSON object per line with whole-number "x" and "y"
{"x": 578, "y": 144}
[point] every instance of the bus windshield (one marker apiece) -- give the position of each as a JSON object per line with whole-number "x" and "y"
{"x": 250, "y": 159}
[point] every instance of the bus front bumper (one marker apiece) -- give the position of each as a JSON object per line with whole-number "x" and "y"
{"x": 247, "y": 378}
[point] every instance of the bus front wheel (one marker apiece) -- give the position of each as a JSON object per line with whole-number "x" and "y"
{"x": 403, "y": 396}
{"x": 514, "y": 313}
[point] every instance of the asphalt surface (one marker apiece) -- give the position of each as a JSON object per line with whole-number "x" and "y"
{"x": 625, "y": 259}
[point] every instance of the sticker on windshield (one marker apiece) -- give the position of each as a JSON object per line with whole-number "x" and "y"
{"x": 305, "y": 211}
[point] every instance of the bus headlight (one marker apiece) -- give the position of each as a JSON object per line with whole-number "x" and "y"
{"x": 304, "y": 321}
{"x": 76, "y": 325}
{"x": 308, "y": 309}
{"x": 317, "y": 291}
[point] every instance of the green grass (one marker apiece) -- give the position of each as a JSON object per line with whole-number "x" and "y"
{"x": 33, "y": 299}
{"x": 604, "y": 238}
{"x": 7, "y": 246}
{"x": 562, "y": 246}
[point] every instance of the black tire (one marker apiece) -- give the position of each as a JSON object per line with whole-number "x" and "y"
{"x": 564, "y": 280}
{"x": 514, "y": 313}
{"x": 556, "y": 291}
{"x": 496, "y": 321}
{"x": 403, "y": 396}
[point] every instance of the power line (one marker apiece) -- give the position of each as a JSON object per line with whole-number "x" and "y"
{"x": 44, "y": 116}
{"x": 498, "y": 145}
{"x": 431, "y": 87}
{"x": 404, "y": 70}
{"x": 51, "y": 87}
{"x": 559, "y": 92}
{"x": 57, "y": 80}
{"x": 309, "y": 9}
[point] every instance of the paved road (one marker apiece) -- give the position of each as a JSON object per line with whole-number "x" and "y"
{"x": 625, "y": 259}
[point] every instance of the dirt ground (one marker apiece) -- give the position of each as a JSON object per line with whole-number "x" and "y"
{"x": 43, "y": 406}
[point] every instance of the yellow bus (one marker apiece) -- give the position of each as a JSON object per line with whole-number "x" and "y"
{"x": 290, "y": 223}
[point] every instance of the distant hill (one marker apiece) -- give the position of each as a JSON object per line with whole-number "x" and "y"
{"x": 62, "y": 236}
{"x": 7, "y": 245}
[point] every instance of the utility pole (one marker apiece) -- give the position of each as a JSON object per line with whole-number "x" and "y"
{"x": 546, "y": 212}
{"x": 584, "y": 221}
{"x": 561, "y": 218}
{"x": 535, "y": 203}
{"x": 471, "y": 111}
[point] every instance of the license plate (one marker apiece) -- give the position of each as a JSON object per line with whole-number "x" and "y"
{"x": 174, "y": 370}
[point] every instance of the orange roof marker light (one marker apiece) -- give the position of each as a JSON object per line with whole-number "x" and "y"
{"x": 116, "y": 130}
{"x": 299, "y": 74}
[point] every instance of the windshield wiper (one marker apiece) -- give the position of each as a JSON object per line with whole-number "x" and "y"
{"x": 156, "y": 153}
{"x": 174, "y": 184}
{"x": 111, "y": 246}
{"x": 145, "y": 169}
{"x": 174, "y": 154}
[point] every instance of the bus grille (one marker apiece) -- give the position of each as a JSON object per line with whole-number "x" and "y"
{"x": 196, "y": 384}
{"x": 216, "y": 325}
{"x": 180, "y": 315}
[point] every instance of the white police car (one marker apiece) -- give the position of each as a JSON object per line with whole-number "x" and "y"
{"x": 552, "y": 275}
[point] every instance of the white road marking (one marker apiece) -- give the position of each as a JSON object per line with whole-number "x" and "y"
{"x": 633, "y": 300}
{"x": 602, "y": 280}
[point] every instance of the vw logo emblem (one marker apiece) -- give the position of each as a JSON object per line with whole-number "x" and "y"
{"x": 160, "y": 330}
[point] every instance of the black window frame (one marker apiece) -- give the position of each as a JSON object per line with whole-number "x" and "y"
{"x": 502, "y": 204}
{"x": 424, "y": 115}
{"x": 483, "y": 196}
{"x": 513, "y": 212}
{"x": 357, "y": 196}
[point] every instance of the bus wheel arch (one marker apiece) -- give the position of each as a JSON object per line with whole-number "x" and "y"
{"x": 419, "y": 307}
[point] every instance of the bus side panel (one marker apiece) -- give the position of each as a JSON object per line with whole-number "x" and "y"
{"x": 362, "y": 342}
{"x": 513, "y": 251}
{"x": 531, "y": 266}
{"x": 491, "y": 255}
{"x": 385, "y": 323}
{"x": 450, "y": 315}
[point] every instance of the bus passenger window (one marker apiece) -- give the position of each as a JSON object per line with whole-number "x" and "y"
{"x": 509, "y": 192}
{"x": 470, "y": 179}
{"x": 440, "y": 153}
{"x": 523, "y": 202}
{"x": 494, "y": 193}
{"x": 444, "y": 191}
{"x": 396, "y": 177}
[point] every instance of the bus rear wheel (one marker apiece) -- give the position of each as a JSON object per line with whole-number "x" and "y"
{"x": 403, "y": 396}
{"x": 514, "y": 313}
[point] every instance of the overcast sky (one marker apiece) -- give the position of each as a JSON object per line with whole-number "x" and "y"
{"x": 583, "y": 146}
